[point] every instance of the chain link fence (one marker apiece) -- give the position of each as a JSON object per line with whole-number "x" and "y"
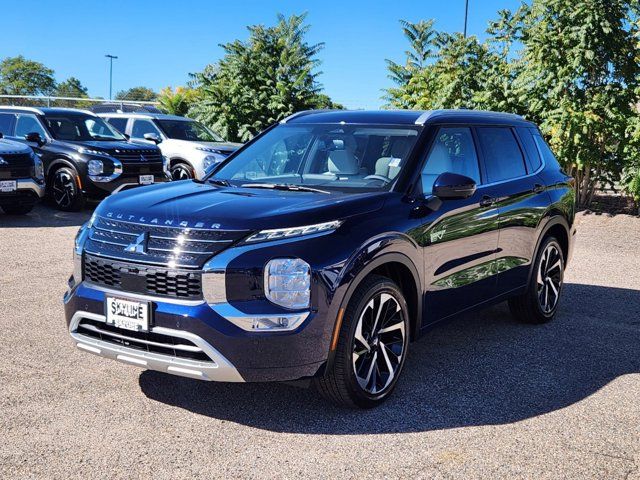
{"x": 73, "y": 102}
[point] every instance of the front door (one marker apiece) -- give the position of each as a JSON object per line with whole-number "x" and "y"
{"x": 460, "y": 239}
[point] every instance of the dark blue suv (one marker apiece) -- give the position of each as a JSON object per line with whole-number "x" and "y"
{"x": 324, "y": 247}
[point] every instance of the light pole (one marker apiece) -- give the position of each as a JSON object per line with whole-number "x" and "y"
{"x": 110, "y": 57}
{"x": 466, "y": 13}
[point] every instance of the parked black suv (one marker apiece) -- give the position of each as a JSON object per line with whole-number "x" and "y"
{"x": 83, "y": 156}
{"x": 323, "y": 247}
{"x": 21, "y": 177}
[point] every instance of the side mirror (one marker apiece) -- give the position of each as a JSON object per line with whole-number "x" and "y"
{"x": 34, "y": 137}
{"x": 452, "y": 185}
{"x": 152, "y": 137}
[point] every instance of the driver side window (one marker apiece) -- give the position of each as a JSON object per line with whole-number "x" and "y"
{"x": 28, "y": 124}
{"x": 453, "y": 151}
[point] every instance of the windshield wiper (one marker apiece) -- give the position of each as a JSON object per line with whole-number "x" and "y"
{"x": 219, "y": 181}
{"x": 283, "y": 186}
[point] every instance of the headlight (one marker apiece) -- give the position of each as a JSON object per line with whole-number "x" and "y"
{"x": 78, "y": 246}
{"x": 279, "y": 233}
{"x": 95, "y": 167}
{"x": 287, "y": 282}
{"x": 211, "y": 160}
{"x": 38, "y": 168}
{"x": 210, "y": 150}
{"x": 93, "y": 152}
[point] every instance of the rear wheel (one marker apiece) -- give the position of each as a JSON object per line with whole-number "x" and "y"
{"x": 17, "y": 209}
{"x": 372, "y": 346}
{"x": 181, "y": 171}
{"x": 540, "y": 302}
{"x": 65, "y": 190}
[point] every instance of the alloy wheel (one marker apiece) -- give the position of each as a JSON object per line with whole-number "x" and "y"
{"x": 181, "y": 172}
{"x": 379, "y": 343}
{"x": 549, "y": 279}
{"x": 64, "y": 189}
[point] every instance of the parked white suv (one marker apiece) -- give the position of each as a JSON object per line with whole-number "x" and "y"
{"x": 190, "y": 147}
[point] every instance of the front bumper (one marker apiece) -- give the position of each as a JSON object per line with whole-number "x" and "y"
{"x": 27, "y": 192}
{"x": 234, "y": 355}
{"x": 100, "y": 190}
{"x": 217, "y": 368}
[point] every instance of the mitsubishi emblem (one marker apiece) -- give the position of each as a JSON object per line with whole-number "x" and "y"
{"x": 139, "y": 245}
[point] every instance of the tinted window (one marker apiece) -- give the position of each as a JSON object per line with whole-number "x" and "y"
{"x": 189, "y": 130}
{"x": 530, "y": 147}
{"x": 78, "y": 127}
{"x": 502, "y": 155}
{"x": 7, "y": 121}
{"x": 545, "y": 151}
{"x": 141, "y": 127}
{"x": 454, "y": 152}
{"x": 28, "y": 124}
{"x": 119, "y": 124}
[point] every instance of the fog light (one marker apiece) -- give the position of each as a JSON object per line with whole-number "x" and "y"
{"x": 287, "y": 282}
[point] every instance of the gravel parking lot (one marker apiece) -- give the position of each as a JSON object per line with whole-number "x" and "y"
{"x": 480, "y": 397}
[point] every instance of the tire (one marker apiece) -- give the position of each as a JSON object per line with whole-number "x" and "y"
{"x": 181, "y": 171}
{"x": 539, "y": 303}
{"x": 369, "y": 358}
{"x": 65, "y": 190}
{"x": 17, "y": 209}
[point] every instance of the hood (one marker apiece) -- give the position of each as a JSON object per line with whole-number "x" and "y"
{"x": 188, "y": 203}
{"x": 8, "y": 147}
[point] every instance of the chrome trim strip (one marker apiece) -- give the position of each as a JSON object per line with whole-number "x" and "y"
{"x": 193, "y": 239}
{"x": 30, "y": 184}
{"x": 246, "y": 320}
{"x": 107, "y": 242}
{"x": 219, "y": 369}
{"x": 190, "y": 268}
{"x": 184, "y": 348}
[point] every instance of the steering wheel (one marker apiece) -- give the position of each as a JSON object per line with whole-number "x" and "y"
{"x": 378, "y": 177}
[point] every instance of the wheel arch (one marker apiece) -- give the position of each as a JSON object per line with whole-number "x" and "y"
{"x": 555, "y": 224}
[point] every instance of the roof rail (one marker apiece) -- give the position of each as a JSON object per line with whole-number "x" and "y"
{"x": 28, "y": 109}
{"x": 304, "y": 113}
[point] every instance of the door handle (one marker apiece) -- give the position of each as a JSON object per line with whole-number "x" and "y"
{"x": 537, "y": 188}
{"x": 487, "y": 201}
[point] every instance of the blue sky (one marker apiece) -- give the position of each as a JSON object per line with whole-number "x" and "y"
{"x": 159, "y": 42}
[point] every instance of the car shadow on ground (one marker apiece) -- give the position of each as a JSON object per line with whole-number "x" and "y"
{"x": 45, "y": 215}
{"x": 480, "y": 369}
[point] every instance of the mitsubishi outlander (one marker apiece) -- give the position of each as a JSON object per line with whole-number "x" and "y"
{"x": 324, "y": 247}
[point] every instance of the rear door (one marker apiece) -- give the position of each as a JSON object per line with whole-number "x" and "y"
{"x": 521, "y": 199}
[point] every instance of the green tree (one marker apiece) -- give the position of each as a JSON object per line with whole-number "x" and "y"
{"x": 178, "y": 101}
{"x": 140, "y": 94}
{"x": 20, "y": 76}
{"x": 71, "y": 87}
{"x": 261, "y": 80}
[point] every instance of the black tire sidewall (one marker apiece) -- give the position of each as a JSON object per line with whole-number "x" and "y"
{"x": 184, "y": 166}
{"x": 360, "y": 396}
{"x": 533, "y": 287}
{"x": 78, "y": 199}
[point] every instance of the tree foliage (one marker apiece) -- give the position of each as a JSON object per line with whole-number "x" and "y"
{"x": 261, "y": 80}
{"x": 20, "y": 76}
{"x": 575, "y": 72}
{"x": 178, "y": 101}
{"x": 141, "y": 94}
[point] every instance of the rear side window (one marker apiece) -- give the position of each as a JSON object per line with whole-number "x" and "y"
{"x": 545, "y": 151}
{"x": 535, "y": 161}
{"x": 119, "y": 124}
{"x": 502, "y": 155}
{"x": 142, "y": 127}
{"x": 7, "y": 121}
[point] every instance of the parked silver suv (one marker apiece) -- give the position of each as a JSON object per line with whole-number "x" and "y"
{"x": 190, "y": 147}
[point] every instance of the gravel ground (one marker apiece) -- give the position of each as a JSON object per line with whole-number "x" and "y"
{"x": 480, "y": 397}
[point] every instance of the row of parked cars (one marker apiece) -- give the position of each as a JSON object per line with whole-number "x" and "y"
{"x": 72, "y": 155}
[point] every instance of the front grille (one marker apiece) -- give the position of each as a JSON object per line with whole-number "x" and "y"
{"x": 149, "y": 155}
{"x": 144, "y": 341}
{"x": 18, "y": 166}
{"x": 145, "y": 168}
{"x": 178, "y": 247}
{"x": 156, "y": 281}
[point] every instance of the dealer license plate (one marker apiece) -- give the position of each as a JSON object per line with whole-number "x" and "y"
{"x": 8, "y": 186}
{"x": 146, "y": 179}
{"x": 128, "y": 314}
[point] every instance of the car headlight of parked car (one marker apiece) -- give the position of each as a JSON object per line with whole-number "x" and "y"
{"x": 211, "y": 160}
{"x": 104, "y": 170}
{"x": 95, "y": 167}
{"x": 287, "y": 282}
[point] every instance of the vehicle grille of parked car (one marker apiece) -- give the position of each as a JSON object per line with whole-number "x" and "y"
{"x": 140, "y": 162}
{"x": 16, "y": 166}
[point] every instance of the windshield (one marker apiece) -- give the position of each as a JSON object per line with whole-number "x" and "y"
{"x": 350, "y": 156}
{"x": 189, "y": 130}
{"x": 80, "y": 127}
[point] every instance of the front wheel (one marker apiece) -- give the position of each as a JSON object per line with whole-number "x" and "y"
{"x": 65, "y": 190}
{"x": 181, "y": 171}
{"x": 372, "y": 346}
{"x": 540, "y": 301}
